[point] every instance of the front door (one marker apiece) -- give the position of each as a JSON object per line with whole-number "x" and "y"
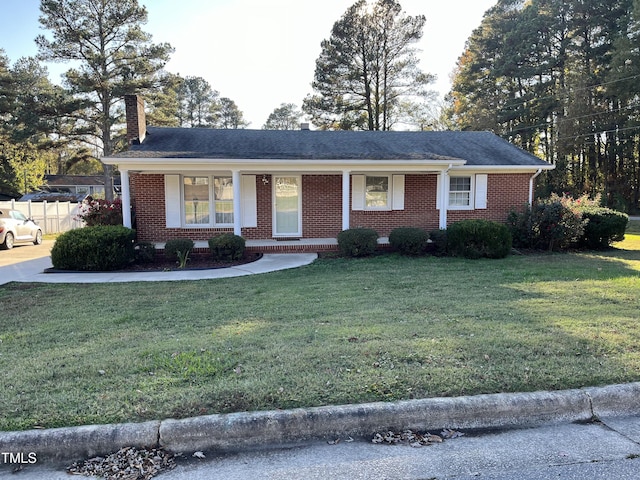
{"x": 286, "y": 207}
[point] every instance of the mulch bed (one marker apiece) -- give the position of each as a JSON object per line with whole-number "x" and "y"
{"x": 161, "y": 264}
{"x": 196, "y": 262}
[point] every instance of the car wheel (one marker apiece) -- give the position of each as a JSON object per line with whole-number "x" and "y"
{"x": 8, "y": 241}
{"x": 38, "y": 239}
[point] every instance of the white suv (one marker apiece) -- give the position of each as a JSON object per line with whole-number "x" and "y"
{"x": 16, "y": 227}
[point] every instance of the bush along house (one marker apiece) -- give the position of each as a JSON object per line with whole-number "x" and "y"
{"x": 295, "y": 190}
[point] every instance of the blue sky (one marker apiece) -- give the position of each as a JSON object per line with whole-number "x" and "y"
{"x": 260, "y": 53}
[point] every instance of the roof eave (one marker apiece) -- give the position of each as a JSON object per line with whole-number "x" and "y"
{"x": 506, "y": 168}
{"x": 315, "y": 165}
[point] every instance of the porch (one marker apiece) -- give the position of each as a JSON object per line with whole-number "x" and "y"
{"x": 302, "y": 245}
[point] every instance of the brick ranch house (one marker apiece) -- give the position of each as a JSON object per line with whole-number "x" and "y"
{"x": 296, "y": 190}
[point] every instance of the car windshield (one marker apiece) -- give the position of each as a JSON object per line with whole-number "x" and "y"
{"x": 19, "y": 216}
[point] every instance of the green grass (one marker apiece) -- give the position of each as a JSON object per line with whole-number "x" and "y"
{"x": 633, "y": 227}
{"x": 337, "y": 331}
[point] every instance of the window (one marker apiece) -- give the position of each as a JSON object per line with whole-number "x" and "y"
{"x": 377, "y": 192}
{"x": 460, "y": 191}
{"x": 223, "y": 195}
{"x": 18, "y": 215}
{"x": 198, "y": 207}
{"x": 196, "y": 200}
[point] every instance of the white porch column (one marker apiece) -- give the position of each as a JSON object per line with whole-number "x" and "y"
{"x": 237, "y": 202}
{"x": 125, "y": 194}
{"x": 443, "y": 201}
{"x": 346, "y": 196}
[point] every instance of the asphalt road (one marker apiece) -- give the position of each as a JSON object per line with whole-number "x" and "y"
{"x": 599, "y": 450}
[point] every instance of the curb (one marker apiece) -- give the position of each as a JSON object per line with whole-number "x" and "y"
{"x": 233, "y": 432}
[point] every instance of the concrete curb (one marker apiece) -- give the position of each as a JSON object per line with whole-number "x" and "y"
{"x": 71, "y": 443}
{"x": 270, "y": 429}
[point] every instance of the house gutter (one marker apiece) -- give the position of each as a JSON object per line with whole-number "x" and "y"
{"x": 535, "y": 175}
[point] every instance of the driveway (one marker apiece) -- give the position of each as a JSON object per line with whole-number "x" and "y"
{"x": 25, "y": 251}
{"x": 24, "y": 260}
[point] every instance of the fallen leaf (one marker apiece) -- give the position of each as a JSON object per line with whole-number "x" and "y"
{"x": 448, "y": 434}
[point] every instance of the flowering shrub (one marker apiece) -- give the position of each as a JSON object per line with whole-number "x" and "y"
{"x": 101, "y": 212}
{"x": 554, "y": 223}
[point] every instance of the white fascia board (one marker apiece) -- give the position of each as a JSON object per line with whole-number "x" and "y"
{"x": 472, "y": 169}
{"x": 164, "y": 165}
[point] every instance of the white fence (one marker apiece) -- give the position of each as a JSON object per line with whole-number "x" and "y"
{"x": 53, "y": 217}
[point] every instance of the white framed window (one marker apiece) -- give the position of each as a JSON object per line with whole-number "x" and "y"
{"x": 196, "y": 200}
{"x": 377, "y": 192}
{"x": 207, "y": 201}
{"x": 466, "y": 192}
{"x": 223, "y": 196}
{"x": 460, "y": 192}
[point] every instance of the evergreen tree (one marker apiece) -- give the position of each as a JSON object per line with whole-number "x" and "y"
{"x": 114, "y": 56}
{"x": 285, "y": 117}
{"x": 366, "y": 67}
{"x": 558, "y": 78}
{"x": 226, "y": 114}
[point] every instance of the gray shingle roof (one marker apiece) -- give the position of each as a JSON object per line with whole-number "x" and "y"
{"x": 477, "y": 148}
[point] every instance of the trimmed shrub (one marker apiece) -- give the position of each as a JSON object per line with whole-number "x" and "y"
{"x": 358, "y": 242}
{"x": 227, "y": 247}
{"x": 438, "y": 239}
{"x": 178, "y": 246}
{"x": 99, "y": 248}
{"x": 145, "y": 252}
{"x": 603, "y": 227}
{"x": 409, "y": 240}
{"x": 478, "y": 238}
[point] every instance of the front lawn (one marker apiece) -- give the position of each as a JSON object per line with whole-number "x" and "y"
{"x": 337, "y": 331}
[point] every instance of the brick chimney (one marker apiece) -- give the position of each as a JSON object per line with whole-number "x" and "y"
{"x": 136, "y": 120}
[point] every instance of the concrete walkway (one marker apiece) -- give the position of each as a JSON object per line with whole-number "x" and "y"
{"x": 33, "y": 271}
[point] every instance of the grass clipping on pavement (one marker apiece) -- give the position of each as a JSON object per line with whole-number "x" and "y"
{"x": 335, "y": 332}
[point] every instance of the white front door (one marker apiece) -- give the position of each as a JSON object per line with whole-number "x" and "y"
{"x": 287, "y": 195}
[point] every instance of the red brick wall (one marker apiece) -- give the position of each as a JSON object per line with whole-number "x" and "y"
{"x": 322, "y": 206}
{"x": 419, "y": 208}
{"x": 505, "y": 192}
{"x": 322, "y": 212}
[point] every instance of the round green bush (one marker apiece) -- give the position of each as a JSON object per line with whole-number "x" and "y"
{"x": 409, "y": 240}
{"x": 358, "y": 242}
{"x": 99, "y": 248}
{"x": 227, "y": 247}
{"x": 478, "y": 238}
{"x": 145, "y": 252}
{"x": 603, "y": 227}
{"x": 178, "y": 246}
